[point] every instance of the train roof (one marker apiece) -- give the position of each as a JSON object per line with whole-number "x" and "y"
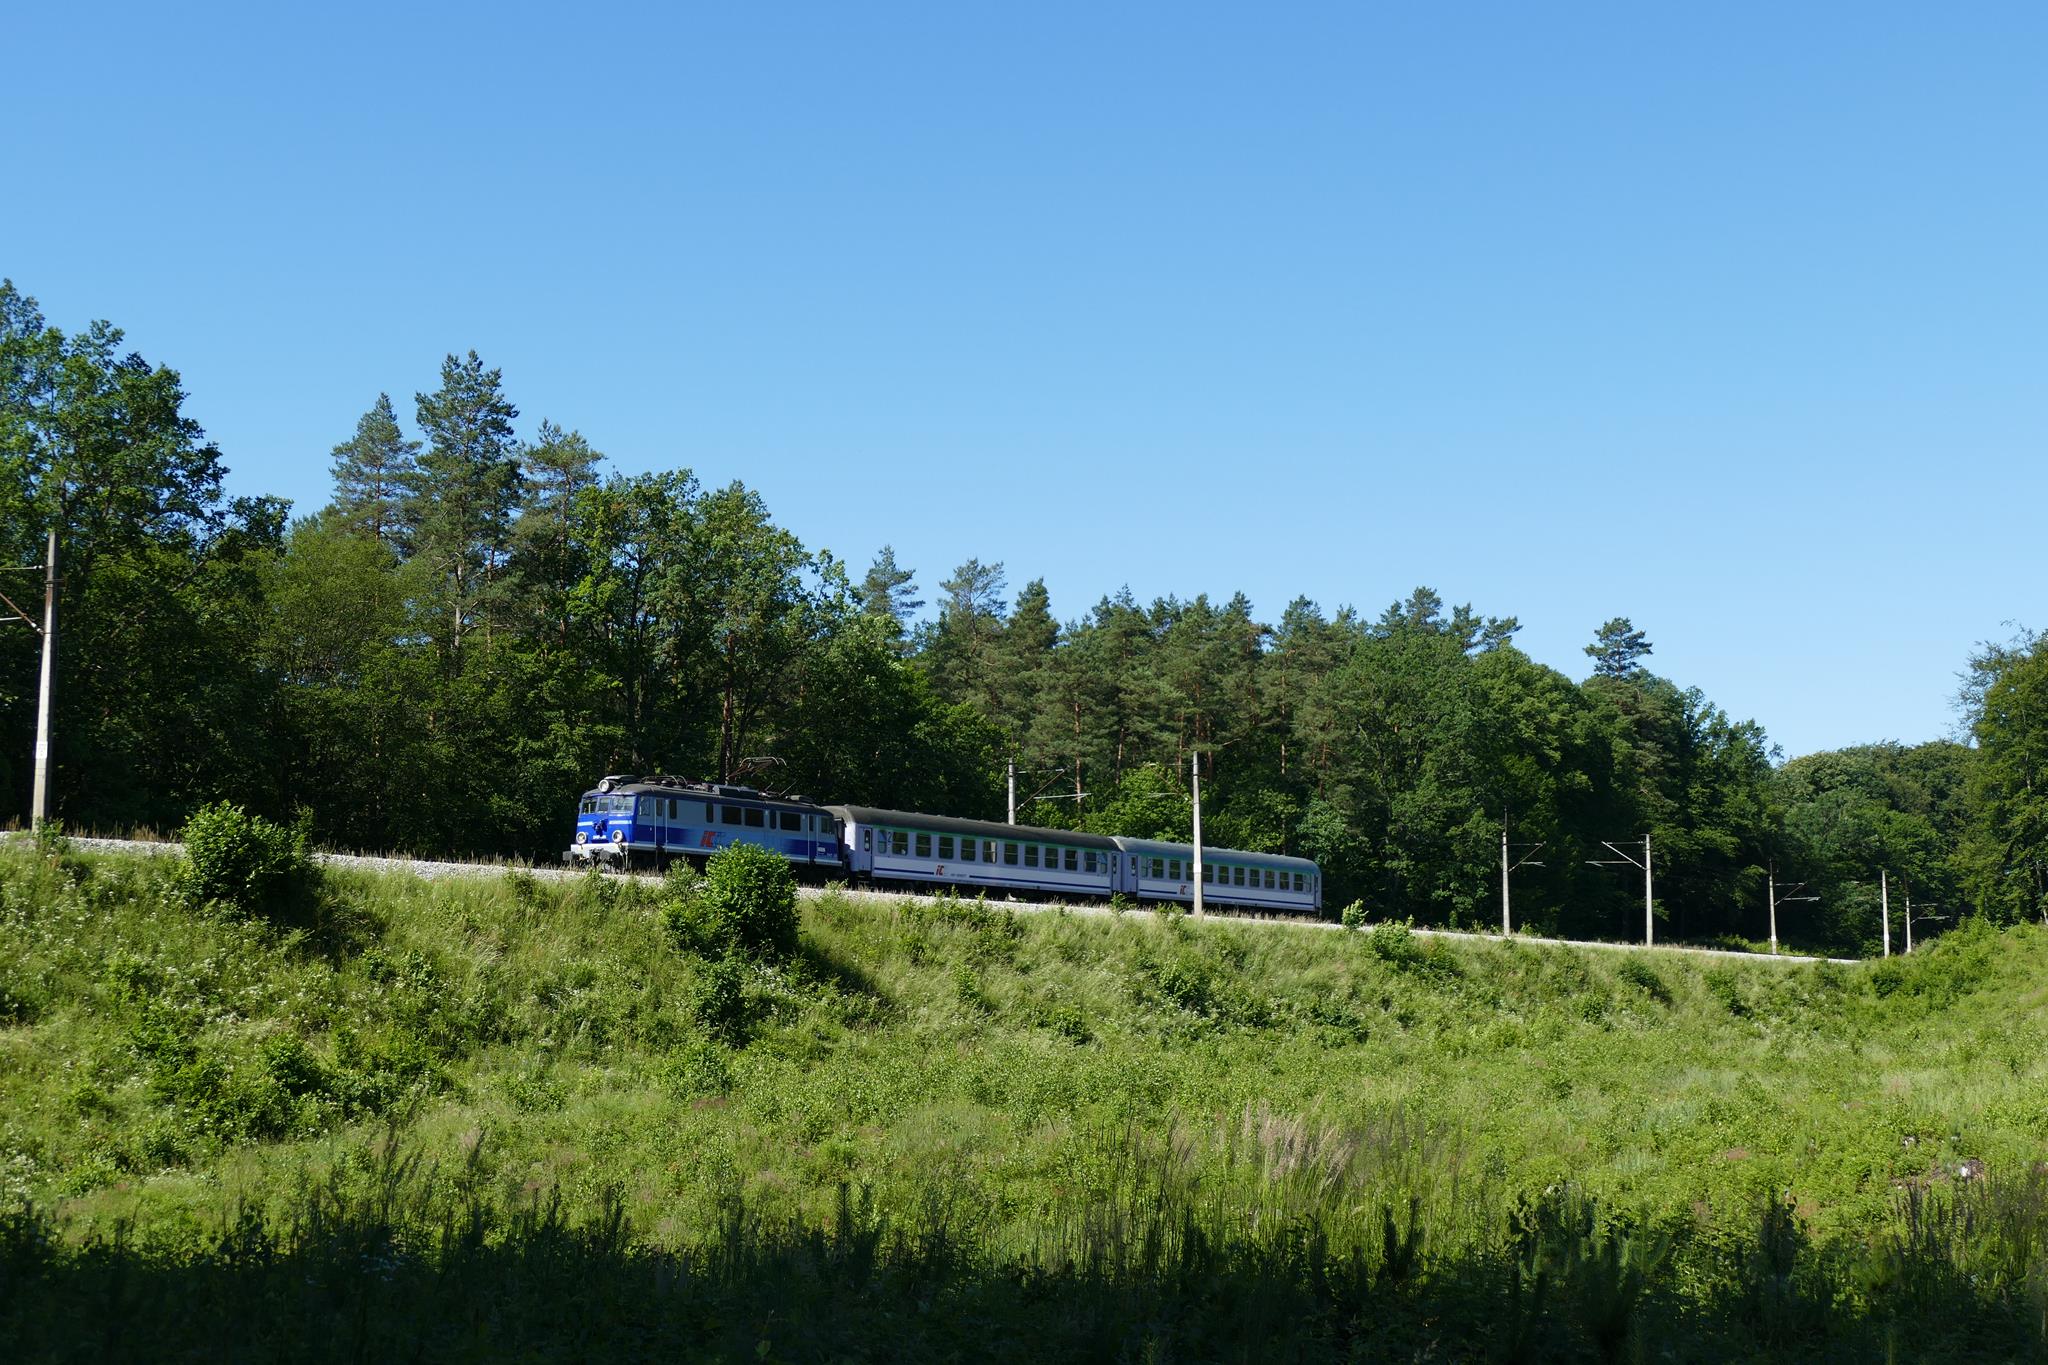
{"x": 983, "y": 829}
{"x": 658, "y": 785}
{"x": 1158, "y": 848}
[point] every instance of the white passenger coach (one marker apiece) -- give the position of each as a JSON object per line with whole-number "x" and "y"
{"x": 981, "y": 855}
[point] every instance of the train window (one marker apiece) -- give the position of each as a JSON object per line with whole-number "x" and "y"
{"x": 1155, "y": 867}
{"x": 1237, "y": 876}
{"x": 790, "y": 819}
{"x": 988, "y": 850}
{"x": 967, "y": 850}
{"x": 1031, "y": 855}
{"x": 867, "y": 840}
{"x": 755, "y": 819}
{"x": 1073, "y": 861}
{"x": 1009, "y": 854}
{"x": 1297, "y": 881}
{"x": 1208, "y": 872}
{"x": 924, "y": 845}
{"x": 899, "y": 842}
{"x": 1088, "y": 860}
{"x": 729, "y": 815}
{"x": 946, "y": 847}
{"x": 1173, "y": 869}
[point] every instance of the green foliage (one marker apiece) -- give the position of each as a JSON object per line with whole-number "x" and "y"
{"x": 2005, "y": 856}
{"x": 1354, "y": 915}
{"x": 1472, "y": 1144}
{"x": 1639, "y": 973}
{"x": 479, "y": 623}
{"x": 749, "y": 901}
{"x": 242, "y": 861}
{"x": 1394, "y": 943}
{"x": 718, "y": 1001}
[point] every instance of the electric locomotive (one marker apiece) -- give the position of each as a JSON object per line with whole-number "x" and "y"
{"x": 634, "y": 821}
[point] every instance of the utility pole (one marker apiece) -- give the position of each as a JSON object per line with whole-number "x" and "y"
{"x": 1620, "y": 858}
{"x": 1909, "y": 915}
{"x": 1884, "y": 902}
{"x": 1788, "y": 898}
{"x": 46, "y": 691}
{"x": 1195, "y": 787}
{"x": 1526, "y": 860}
{"x": 1010, "y": 780}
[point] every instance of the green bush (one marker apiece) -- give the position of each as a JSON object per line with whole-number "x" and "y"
{"x": 719, "y": 1002}
{"x": 242, "y": 861}
{"x": 1643, "y": 976}
{"x": 1393, "y": 942}
{"x": 1354, "y": 915}
{"x": 749, "y": 900}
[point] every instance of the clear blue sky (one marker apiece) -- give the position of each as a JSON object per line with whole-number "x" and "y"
{"x": 1729, "y": 319}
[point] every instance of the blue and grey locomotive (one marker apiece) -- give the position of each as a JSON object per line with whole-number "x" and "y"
{"x": 628, "y": 821}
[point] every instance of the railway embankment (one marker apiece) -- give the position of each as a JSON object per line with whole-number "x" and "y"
{"x": 432, "y": 869}
{"x": 441, "y": 1114}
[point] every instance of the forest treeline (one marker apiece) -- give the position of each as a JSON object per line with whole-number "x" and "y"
{"x": 480, "y": 623}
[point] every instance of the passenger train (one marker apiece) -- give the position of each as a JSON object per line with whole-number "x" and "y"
{"x": 629, "y": 821}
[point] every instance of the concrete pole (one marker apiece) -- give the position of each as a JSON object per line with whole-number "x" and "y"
{"x": 1195, "y": 786}
{"x": 1010, "y": 770}
{"x": 1505, "y": 930}
{"x": 1909, "y": 917}
{"x": 46, "y": 693}
{"x": 1774, "y": 905}
{"x": 1884, "y": 902}
{"x": 1649, "y": 914}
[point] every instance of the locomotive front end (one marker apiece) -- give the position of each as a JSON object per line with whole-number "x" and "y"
{"x": 604, "y": 827}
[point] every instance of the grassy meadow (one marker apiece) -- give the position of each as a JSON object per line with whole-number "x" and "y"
{"x": 472, "y": 1119}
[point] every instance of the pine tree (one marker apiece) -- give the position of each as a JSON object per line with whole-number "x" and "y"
{"x": 890, "y": 593}
{"x": 459, "y": 513}
{"x": 372, "y": 471}
{"x": 960, "y": 648}
{"x": 555, "y": 468}
{"x": 1022, "y": 653}
{"x": 1618, "y": 649}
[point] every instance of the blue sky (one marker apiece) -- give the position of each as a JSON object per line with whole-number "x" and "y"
{"x": 1729, "y": 320}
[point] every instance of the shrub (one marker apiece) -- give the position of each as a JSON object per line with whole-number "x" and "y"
{"x": 1069, "y": 1023}
{"x": 750, "y": 897}
{"x": 51, "y": 845}
{"x": 1726, "y": 987}
{"x": 1354, "y": 915}
{"x": 719, "y": 1002}
{"x": 1393, "y": 942}
{"x": 242, "y": 861}
{"x": 1642, "y": 975}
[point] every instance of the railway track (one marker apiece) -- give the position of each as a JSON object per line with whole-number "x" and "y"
{"x": 429, "y": 869}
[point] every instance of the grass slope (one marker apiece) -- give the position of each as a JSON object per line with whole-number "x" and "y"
{"x": 948, "y": 1130}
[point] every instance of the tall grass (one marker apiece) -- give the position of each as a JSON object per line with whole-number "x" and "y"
{"x": 470, "y": 1116}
